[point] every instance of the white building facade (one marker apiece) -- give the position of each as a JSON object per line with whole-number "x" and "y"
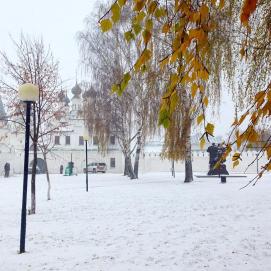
{"x": 70, "y": 146}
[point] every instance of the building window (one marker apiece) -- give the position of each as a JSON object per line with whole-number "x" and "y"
{"x": 81, "y": 140}
{"x": 112, "y": 162}
{"x": 57, "y": 140}
{"x": 112, "y": 140}
{"x": 95, "y": 140}
{"x": 68, "y": 140}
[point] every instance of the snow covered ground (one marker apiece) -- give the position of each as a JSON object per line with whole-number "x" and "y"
{"x": 155, "y": 223}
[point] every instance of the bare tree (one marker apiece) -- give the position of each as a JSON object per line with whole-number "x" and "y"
{"x": 34, "y": 63}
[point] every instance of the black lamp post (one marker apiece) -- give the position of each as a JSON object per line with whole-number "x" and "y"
{"x": 28, "y": 93}
{"x": 86, "y": 138}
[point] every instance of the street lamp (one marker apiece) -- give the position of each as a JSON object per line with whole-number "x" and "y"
{"x": 28, "y": 93}
{"x": 86, "y": 138}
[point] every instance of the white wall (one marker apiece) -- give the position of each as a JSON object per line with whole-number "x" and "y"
{"x": 152, "y": 162}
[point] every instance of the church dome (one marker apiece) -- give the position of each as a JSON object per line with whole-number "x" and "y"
{"x": 89, "y": 93}
{"x": 76, "y": 91}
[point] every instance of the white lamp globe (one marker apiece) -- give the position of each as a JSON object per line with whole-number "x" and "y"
{"x": 86, "y": 135}
{"x": 28, "y": 92}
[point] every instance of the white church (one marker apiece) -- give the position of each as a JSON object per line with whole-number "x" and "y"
{"x": 70, "y": 146}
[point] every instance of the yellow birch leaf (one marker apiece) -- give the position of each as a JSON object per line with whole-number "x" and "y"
{"x": 248, "y": 8}
{"x": 146, "y": 36}
{"x": 137, "y": 28}
{"x": 204, "y": 75}
{"x": 221, "y": 4}
{"x": 160, "y": 12}
{"x": 115, "y": 9}
{"x": 242, "y": 118}
{"x": 165, "y": 28}
{"x": 174, "y": 56}
{"x": 253, "y": 136}
{"x": 196, "y": 16}
{"x": 186, "y": 79}
{"x": 266, "y": 108}
{"x": 129, "y": 35}
{"x": 153, "y": 5}
{"x": 197, "y": 34}
{"x": 235, "y": 163}
{"x": 194, "y": 76}
{"x": 268, "y": 152}
{"x": 174, "y": 79}
{"x": 242, "y": 52}
{"x": 201, "y": 88}
{"x": 236, "y": 156}
{"x": 184, "y": 46}
{"x": 202, "y": 143}
{"x": 106, "y": 25}
{"x": 200, "y": 119}
{"x": 205, "y": 101}
{"x": 139, "y": 5}
{"x": 259, "y": 95}
{"x": 239, "y": 142}
{"x": 122, "y": 2}
{"x": 210, "y": 128}
{"x": 115, "y": 88}
{"x": 149, "y": 25}
{"x": 194, "y": 89}
{"x": 204, "y": 11}
{"x": 145, "y": 56}
{"x": 140, "y": 17}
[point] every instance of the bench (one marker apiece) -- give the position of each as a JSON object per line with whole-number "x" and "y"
{"x": 223, "y": 178}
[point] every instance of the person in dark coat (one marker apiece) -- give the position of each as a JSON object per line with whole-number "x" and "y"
{"x": 61, "y": 169}
{"x": 7, "y": 169}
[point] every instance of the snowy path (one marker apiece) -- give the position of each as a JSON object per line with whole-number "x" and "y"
{"x": 153, "y": 223}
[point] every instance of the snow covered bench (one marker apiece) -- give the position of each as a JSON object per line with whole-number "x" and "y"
{"x": 223, "y": 178}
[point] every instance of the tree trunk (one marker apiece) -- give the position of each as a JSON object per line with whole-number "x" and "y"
{"x": 33, "y": 179}
{"x": 138, "y": 149}
{"x": 173, "y": 169}
{"x": 126, "y": 173}
{"x": 131, "y": 173}
{"x": 188, "y": 157}
{"x": 47, "y": 177}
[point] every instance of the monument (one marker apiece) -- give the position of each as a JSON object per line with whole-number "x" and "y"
{"x": 215, "y": 154}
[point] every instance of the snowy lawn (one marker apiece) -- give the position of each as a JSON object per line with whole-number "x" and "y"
{"x": 155, "y": 223}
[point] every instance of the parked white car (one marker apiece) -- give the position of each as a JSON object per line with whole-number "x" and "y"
{"x": 96, "y": 167}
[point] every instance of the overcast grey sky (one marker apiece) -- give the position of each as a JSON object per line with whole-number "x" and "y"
{"x": 58, "y": 21}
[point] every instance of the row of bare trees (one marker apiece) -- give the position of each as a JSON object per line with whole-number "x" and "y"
{"x": 130, "y": 115}
{"x": 131, "y": 112}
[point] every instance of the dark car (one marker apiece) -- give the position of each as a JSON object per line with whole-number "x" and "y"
{"x": 96, "y": 167}
{"x": 38, "y": 171}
